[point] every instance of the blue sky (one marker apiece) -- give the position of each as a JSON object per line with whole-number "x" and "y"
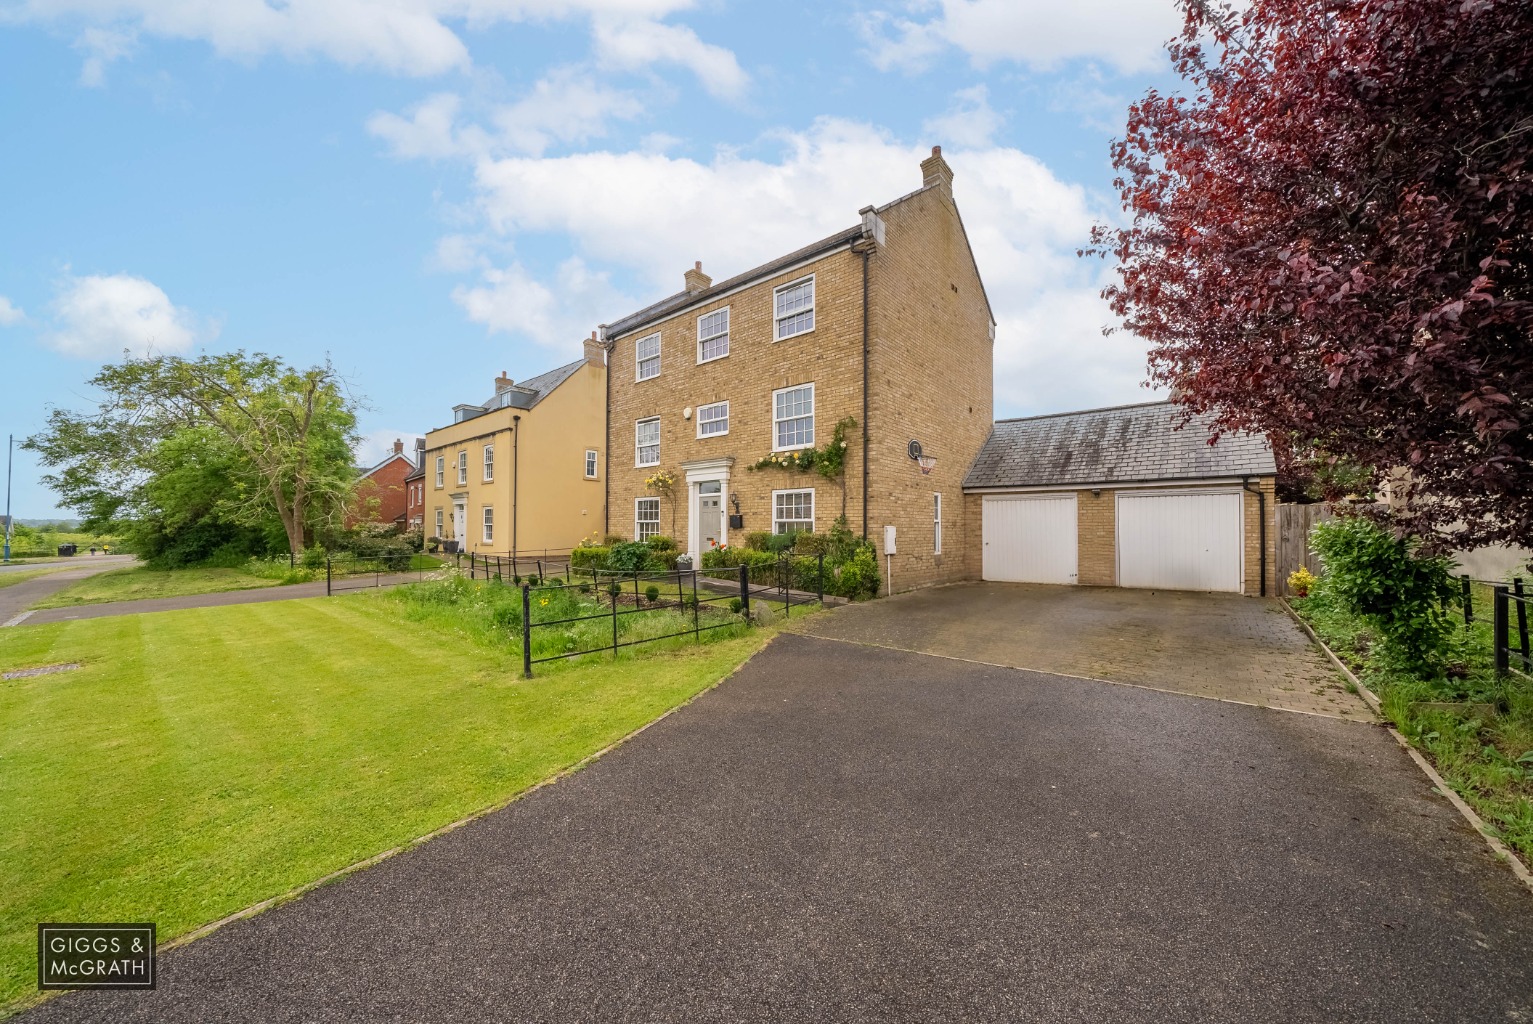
{"x": 431, "y": 191}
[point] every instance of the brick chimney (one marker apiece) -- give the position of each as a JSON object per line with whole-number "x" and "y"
{"x": 935, "y": 171}
{"x": 399, "y": 446}
{"x": 502, "y": 383}
{"x": 596, "y": 352}
{"x": 696, "y": 279}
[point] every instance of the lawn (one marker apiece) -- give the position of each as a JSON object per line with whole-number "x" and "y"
{"x": 202, "y": 761}
{"x": 139, "y": 582}
{"x": 1475, "y": 727}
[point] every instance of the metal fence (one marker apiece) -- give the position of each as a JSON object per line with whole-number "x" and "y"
{"x": 345, "y": 573}
{"x": 702, "y": 594}
{"x": 1508, "y": 603}
{"x": 512, "y": 568}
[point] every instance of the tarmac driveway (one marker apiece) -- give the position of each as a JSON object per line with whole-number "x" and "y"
{"x": 1210, "y": 645}
{"x": 845, "y": 833}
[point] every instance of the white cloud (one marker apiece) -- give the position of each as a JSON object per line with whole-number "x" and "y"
{"x": 98, "y": 317}
{"x": 568, "y": 105}
{"x": 1042, "y": 34}
{"x": 558, "y": 314}
{"x": 409, "y": 37}
{"x": 376, "y": 445}
{"x": 10, "y": 313}
{"x": 650, "y": 215}
{"x": 968, "y": 122}
{"x": 102, "y": 46}
{"x": 631, "y": 45}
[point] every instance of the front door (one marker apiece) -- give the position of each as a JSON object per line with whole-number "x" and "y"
{"x": 460, "y": 525}
{"x": 710, "y": 522}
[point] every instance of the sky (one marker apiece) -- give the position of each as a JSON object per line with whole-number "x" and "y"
{"x": 428, "y": 192}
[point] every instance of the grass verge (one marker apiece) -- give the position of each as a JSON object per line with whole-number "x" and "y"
{"x": 139, "y": 582}
{"x": 202, "y": 761}
{"x": 1476, "y": 728}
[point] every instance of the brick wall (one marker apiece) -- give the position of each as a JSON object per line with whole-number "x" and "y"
{"x": 1097, "y": 538}
{"x": 931, "y": 372}
{"x": 830, "y": 357}
{"x": 1253, "y": 539}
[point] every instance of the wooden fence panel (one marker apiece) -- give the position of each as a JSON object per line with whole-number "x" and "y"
{"x": 1293, "y": 525}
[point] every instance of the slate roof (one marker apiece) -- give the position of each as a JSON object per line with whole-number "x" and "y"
{"x": 1125, "y": 444}
{"x": 533, "y": 390}
{"x": 666, "y": 306}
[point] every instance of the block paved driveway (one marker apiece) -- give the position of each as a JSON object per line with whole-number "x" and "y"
{"x": 847, "y": 833}
{"x": 1211, "y": 645}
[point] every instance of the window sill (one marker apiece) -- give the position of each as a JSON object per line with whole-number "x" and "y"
{"x": 790, "y": 337}
{"x": 715, "y": 359}
{"x": 792, "y": 448}
{"x": 709, "y": 437}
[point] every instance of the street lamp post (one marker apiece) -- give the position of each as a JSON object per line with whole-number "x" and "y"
{"x": 10, "y": 446}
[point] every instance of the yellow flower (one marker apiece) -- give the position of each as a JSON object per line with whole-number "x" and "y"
{"x": 544, "y": 602}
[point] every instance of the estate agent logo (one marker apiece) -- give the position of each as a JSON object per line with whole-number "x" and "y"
{"x": 95, "y": 956}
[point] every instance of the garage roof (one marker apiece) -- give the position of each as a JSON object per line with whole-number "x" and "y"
{"x": 1125, "y": 444}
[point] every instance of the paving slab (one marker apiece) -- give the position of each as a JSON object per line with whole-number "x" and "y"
{"x": 845, "y": 833}
{"x": 1209, "y": 645}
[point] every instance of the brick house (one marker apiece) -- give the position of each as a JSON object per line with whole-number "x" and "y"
{"x": 381, "y": 490}
{"x": 521, "y": 472}
{"x": 415, "y": 490}
{"x": 886, "y": 324}
{"x": 1127, "y": 496}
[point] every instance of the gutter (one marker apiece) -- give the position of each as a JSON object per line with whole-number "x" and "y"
{"x": 865, "y": 248}
{"x": 1261, "y": 512}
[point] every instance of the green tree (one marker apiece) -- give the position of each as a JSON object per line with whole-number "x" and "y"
{"x": 272, "y": 439}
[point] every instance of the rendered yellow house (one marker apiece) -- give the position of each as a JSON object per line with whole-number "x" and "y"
{"x": 522, "y": 473}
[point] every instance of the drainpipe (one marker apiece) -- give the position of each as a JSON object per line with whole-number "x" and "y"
{"x": 516, "y": 464}
{"x": 606, "y": 476}
{"x": 864, "y": 248}
{"x": 1261, "y": 511}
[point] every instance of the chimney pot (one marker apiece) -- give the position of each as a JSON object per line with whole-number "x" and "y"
{"x": 502, "y": 383}
{"x": 595, "y": 351}
{"x": 399, "y": 446}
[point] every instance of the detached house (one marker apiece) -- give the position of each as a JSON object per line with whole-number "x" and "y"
{"x": 522, "y": 472}
{"x": 884, "y": 326}
{"x": 381, "y": 490}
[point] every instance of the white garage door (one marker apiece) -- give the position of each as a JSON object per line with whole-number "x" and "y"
{"x": 1029, "y": 538}
{"x": 1180, "y": 541}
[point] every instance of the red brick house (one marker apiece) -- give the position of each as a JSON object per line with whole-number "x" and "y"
{"x": 381, "y": 490}
{"x": 415, "y": 490}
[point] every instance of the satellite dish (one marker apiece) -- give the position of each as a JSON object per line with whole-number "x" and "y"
{"x": 915, "y": 449}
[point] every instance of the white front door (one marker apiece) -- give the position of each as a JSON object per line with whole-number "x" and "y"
{"x": 1029, "y": 538}
{"x": 710, "y": 514}
{"x": 1185, "y": 541}
{"x": 460, "y": 525}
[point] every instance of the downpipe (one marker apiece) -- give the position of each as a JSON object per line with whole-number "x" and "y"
{"x": 1261, "y": 512}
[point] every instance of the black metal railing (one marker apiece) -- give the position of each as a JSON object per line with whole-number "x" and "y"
{"x": 626, "y": 595}
{"x": 345, "y": 572}
{"x": 514, "y": 569}
{"x": 1509, "y": 603}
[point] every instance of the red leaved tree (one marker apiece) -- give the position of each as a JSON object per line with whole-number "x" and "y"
{"x": 1331, "y": 241}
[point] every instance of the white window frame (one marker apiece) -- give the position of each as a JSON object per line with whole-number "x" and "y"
{"x": 714, "y": 433}
{"x": 439, "y": 526}
{"x": 441, "y": 471}
{"x": 777, "y": 320}
{"x": 640, "y": 360}
{"x": 936, "y": 522}
{"x": 463, "y": 468}
{"x": 593, "y": 463}
{"x": 489, "y": 463}
{"x": 639, "y": 523}
{"x": 701, "y": 339}
{"x": 792, "y": 490}
{"x": 638, "y": 449}
{"x": 775, "y": 420}
{"x": 487, "y": 519}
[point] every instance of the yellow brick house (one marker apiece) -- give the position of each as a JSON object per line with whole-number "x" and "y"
{"x": 523, "y": 472}
{"x": 885, "y": 324}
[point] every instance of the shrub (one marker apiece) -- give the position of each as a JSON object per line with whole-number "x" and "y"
{"x": 735, "y": 605}
{"x": 757, "y": 540}
{"x": 589, "y": 557}
{"x": 628, "y": 557}
{"x": 1301, "y": 581}
{"x": 858, "y": 576}
{"x": 614, "y": 589}
{"x": 662, "y": 545}
{"x": 651, "y": 593}
{"x": 1390, "y": 584}
{"x": 779, "y": 543}
{"x": 810, "y": 544}
{"x": 611, "y": 539}
{"x": 585, "y": 588}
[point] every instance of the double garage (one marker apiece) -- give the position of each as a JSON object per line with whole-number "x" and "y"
{"x": 1127, "y": 497}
